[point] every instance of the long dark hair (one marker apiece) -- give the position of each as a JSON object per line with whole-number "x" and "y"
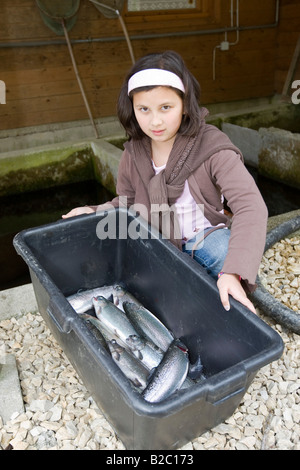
{"x": 168, "y": 60}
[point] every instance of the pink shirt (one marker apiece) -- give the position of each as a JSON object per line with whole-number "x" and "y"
{"x": 190, "y": 214}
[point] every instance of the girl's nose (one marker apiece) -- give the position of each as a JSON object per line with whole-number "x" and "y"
{"x": 156, "y": 119}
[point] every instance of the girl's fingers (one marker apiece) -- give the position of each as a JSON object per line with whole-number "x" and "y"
{"x": 229, "y": 284}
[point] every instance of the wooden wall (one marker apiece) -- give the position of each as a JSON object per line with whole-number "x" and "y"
{"x": 41, "y": 86}
{"x": 287, "y": 38}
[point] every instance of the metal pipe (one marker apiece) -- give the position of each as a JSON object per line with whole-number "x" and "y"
{"x": 237, "y": 34}
{"x": 237, "y": 24}
{"x": 238, "y": 28}
{"x": 145, "y": 36}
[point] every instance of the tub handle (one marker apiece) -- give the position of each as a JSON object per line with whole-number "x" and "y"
{"x": 59, "y": 316}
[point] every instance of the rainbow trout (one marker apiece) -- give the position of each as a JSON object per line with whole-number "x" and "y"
{"x": 131, "y": 367}
{"x": 121, "y": 295}
{"x": 170, "y": 375}
{"x": 82, "y": 301}
{"x": 148, "y": 325}
{"x": 115, "y": 320}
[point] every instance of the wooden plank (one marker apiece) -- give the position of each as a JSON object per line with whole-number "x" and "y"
{"x": 22, "y": 117}
{"x": 59, "y": 87}
{"x": 59, "y": 74}
{"x": 59, "y": 102}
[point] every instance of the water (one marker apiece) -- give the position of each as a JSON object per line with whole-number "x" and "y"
{"x": 278, "y": 197}
{"x": 19, "y": 212}
{"x": 29, "y": 210}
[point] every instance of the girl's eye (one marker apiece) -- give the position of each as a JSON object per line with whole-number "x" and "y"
{"x": 166, "y": 107}
{"x": 143, "y": 109}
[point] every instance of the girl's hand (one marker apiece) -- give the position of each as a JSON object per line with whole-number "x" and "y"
{"x": 78, "y": 211}
{"x": 229, "y": 284}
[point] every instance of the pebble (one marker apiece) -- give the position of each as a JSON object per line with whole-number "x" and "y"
{"x": 60, "y": 414}
{"x": 280, "y": 272}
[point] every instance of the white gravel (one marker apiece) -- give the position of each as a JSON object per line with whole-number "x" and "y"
{"x": 280, "y": 272}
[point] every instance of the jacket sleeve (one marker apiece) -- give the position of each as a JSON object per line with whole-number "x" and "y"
{"x": 249, "y": 222}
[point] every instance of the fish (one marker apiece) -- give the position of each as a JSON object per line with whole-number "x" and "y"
{"x": 82, "y": 301}
{"x": 131, "y": 367}
{"x": 148, "y": 325}
{"x": 103, "y": 332}
{"x": 121, "y": 295}
{"x": 92, "y": 326}
{"x": 170, "y": 375}
{"x": 115, "y": 320}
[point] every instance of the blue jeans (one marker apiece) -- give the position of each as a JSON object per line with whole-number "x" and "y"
{"x": 212, "y": 251}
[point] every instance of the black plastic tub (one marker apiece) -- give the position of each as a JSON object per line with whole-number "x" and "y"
{"x": 66, "y": 256}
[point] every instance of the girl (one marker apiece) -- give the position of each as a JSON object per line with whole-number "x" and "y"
{"x": 174, "y": 159}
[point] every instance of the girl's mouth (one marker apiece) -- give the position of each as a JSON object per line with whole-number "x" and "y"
{"x": 157, "y": 133}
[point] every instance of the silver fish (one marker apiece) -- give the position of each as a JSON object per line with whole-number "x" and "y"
{"x": 93, "y": 327}
{"x": 121, "y": 295}
{"x": 148, "y": 325}
{"x": 103, "y": 331}
{"x": 169, "y": 375}
{"x": 82, "y": 301}
{"x": 117, "y": 322}
{"x": 131, "y": 367}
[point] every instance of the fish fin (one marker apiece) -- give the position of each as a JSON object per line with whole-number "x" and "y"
{"x": 116, "y": 356}
{"x": 139, "y": 355}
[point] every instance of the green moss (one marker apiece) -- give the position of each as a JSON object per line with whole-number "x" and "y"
{"x": 281, "y": 163}
{"x": 36, "y": 159}
{"x": 44, "y": 170}
{"x": 282, "y": 117}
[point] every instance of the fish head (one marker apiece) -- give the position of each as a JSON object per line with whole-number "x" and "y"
{"x": 100, "y": 301}
{"x": 118, "y": 290}
{"x": 135, "y": 342}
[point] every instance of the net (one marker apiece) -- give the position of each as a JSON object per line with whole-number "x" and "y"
{"x": 53, "y": 11}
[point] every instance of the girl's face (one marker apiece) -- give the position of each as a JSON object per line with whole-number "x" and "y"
{"x": 158, "y": 113}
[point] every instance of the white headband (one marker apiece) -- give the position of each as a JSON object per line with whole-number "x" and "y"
{"x": 154, "y": 77}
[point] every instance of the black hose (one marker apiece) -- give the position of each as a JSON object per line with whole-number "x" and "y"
{"x": 269, "y": 305}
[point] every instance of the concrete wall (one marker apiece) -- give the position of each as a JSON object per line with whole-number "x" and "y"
{"x": 274, "y": 151}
